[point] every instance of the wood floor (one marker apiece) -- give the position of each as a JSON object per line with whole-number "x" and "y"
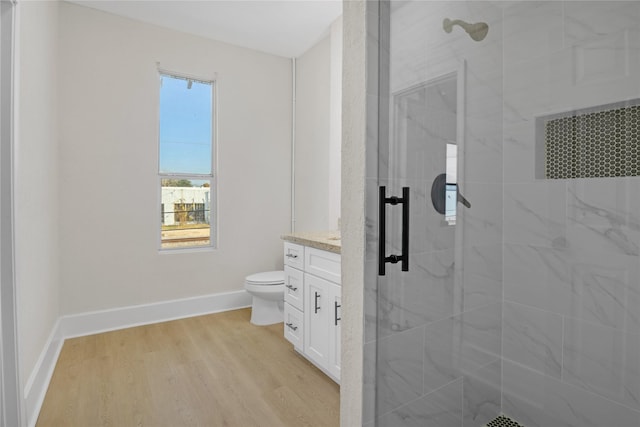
{"x": 214, "y": 370}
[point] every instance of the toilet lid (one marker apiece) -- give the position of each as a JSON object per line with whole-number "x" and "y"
{"x": 266, "y": 278}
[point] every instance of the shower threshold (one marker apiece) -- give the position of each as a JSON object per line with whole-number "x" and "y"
{"x": 503, "y": 421}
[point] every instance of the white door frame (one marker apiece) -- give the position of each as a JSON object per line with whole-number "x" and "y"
{"x": 10, "y": 395}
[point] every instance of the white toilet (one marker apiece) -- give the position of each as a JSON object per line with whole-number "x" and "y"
{"x": 267, "y": 290}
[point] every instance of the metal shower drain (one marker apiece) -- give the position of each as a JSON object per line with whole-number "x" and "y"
{"x": 503, "y": 421}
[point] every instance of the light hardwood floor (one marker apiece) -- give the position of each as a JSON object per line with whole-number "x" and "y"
{"x": 214, "y": 370}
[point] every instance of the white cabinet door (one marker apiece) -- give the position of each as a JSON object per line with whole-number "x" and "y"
{"x": 317, "y": 314}
{"x": 335, "y": 323}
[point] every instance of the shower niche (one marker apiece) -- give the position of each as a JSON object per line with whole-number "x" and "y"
{"x": 596, "y": 142}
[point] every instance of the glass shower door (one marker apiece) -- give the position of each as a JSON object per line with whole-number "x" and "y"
{"x": 509, "y": 187}
{"x": 438, "y": 324}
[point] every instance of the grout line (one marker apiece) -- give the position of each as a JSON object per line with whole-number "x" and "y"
{"x": 404, "y": 405}
{"x": 579, "y": 388}
{"x": 503, "y": 243}
{"x": 567, "y": 317}
{"x": 562, "y": 352}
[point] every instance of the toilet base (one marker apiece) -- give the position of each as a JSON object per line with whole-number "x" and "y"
{"x": 266, "y": 312}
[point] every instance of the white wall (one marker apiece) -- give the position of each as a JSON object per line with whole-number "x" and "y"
{"x": 312, "y": 137}
{"x": 36, "y": 180}
{"x": 318, "y": 133}
{"x": 335, "y": 123}
{"x": 108, "y": 138}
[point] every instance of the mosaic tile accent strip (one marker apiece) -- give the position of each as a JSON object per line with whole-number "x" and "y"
{"x": 593, "y": 145}
{"x": 503, "y": 421}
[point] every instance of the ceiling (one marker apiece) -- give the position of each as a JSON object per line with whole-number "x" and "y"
{"x": 285, "y": 28}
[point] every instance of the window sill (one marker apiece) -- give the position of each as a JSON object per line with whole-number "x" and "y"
{"x": 187, "y": 250}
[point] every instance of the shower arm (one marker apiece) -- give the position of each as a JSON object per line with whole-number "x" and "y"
{"x": 477, "y": 31}
{"x": 459, "y": 22}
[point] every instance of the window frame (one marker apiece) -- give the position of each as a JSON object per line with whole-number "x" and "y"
{"x": 212, "y": 178}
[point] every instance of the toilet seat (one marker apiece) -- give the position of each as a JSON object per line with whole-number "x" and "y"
{"x": 266, "y": 278}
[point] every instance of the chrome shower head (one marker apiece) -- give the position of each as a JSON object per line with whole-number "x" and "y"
{"x": 477, "y": 31}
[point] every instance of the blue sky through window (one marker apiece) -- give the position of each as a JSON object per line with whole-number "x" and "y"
{"x": 185, "y": 126}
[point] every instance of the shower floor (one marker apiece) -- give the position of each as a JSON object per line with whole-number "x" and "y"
{"x": 503, "y": 421}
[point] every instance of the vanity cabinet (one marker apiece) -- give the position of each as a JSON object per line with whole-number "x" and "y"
{"x": 313, "y": 305}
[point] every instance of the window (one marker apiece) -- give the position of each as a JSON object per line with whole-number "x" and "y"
{"x": 186, "y": 175}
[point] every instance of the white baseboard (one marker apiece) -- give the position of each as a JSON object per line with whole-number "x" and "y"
{"x": 95, "y": 322}
{"x": 38, "y": 382}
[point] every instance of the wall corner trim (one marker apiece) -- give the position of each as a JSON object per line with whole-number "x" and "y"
{"x": 95, "y": 322}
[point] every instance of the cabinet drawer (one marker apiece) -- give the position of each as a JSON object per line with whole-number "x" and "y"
{"x": 323, "y": 264}
{"x": 294, "y": 326}
{"x": 294, "y": 255}
{"x": 294, "y": 287}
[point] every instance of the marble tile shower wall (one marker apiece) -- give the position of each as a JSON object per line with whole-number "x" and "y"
{"x": 532, "y": 305}
{"x": 571, "y": 346}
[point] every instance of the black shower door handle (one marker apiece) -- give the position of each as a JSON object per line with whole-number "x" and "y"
{"x": 382, "y": 256}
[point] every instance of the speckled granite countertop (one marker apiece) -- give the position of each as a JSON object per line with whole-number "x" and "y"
{"x": 324, "y": 240}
